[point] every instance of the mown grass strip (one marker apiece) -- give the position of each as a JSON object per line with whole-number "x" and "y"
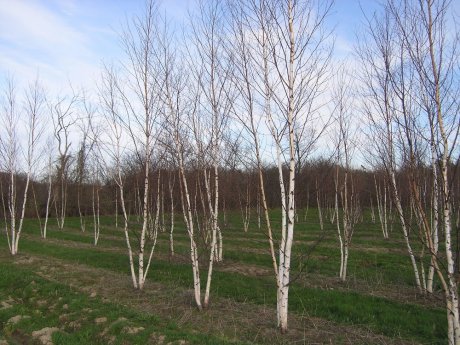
{"x": 380, "y": 315}
{"x": 388, "y": 268}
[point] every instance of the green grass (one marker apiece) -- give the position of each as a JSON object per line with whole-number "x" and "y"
{"x": 381, "y": 315}
{"x": 372, "y": 268}
{"x": 382, "y": 267}
{"x": 51, "y": 304}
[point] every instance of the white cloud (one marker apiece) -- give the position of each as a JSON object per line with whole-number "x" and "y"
{"x": 36, "y": 38}
{"x": 29, "y": 25}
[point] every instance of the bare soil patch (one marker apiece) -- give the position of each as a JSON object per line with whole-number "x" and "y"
{"x": 17, "y": 318}
{"x": 44, "y": 335}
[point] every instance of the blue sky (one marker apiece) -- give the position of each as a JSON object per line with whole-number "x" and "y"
{"x": 64, "y": 40}
{"x": 67, "y": 41}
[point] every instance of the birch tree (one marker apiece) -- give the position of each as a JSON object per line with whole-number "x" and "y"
{"x": 10, "y": 152}
{"x": 49, "y": 177}
{"x": 13, "y": 151}
{"x": 171, "y": 185}
{"x": 246, "y": 78}
{"x": 96, "y": 186}
{"x": 212, "y": 74}
{"x": 129, "y": 98}
{"x": 114, "y": 147}
{"x": 84, "y": 150}
{"x": 180, "y": 101}
{"x": 376, "y": 53}
{"x": 300, "y": 56}
{"x": 288, "y": 43}
{"x": 421, "y": 74}
{"x": 175, "y": 111}
{"x": 63, "y": 117}
{"x": 431, "y": 39}
{"x": 345, "y": 195}
{"x": 138, "y": 92}
{"x": 95, "y": 167}
{"x": 382, "y": 205}
{"x": 245, "y": 203}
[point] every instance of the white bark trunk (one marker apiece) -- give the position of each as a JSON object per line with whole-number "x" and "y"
{"x": 5, "y": 215}
{"x": 23, "y": 209}
{"x": 258, "y": 211}
{"x": 188, "y": 216}
{"x": 116, "y": 209}
{"x": 452, "y": 282}
{"x": 157, "y": 223}
{"x": 435, "y": 216}
{"x": 214, "y": 214}
{"x": 171, "y": 226}
{"x": 339, "y": 230}
{"x": 80, "y": 213}
{"x": 345, "y": 262}
{"x": 372, "y": 212}
{"x": 145, "y": 218}
{"x": 126, "y": 231}
{"x": 382, "y": 207}
{"x": 397, "y": 203}
{"x": 288, "y": 234}
{"x": 96, "y": 212}
{"x": 12, "y": 211}
{"x": 62, "y": 211}
{"x": 48, "y": 200}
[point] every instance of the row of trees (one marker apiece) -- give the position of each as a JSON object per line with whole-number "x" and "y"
{"x": 410, "y": 81}
{"x": 244, "y": 98}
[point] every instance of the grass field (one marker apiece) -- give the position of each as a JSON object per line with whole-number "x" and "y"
{"x": 68, "y": 291}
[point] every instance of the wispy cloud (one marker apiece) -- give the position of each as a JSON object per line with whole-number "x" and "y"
{"x": 28, "y": 23}
{"x": 35, "y": 37}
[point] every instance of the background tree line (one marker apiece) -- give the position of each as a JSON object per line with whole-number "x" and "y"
{"x": 238, "y": 188}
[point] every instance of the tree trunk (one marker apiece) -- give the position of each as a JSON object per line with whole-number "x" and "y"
{"x": 188, "y": 216}
{"x": 48, "y": 200}
{"x": 288, "y": 234}
{"x": 145, "y": 216}
{"x": 171, "y": 227}
{"x": 399, "y": 209}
